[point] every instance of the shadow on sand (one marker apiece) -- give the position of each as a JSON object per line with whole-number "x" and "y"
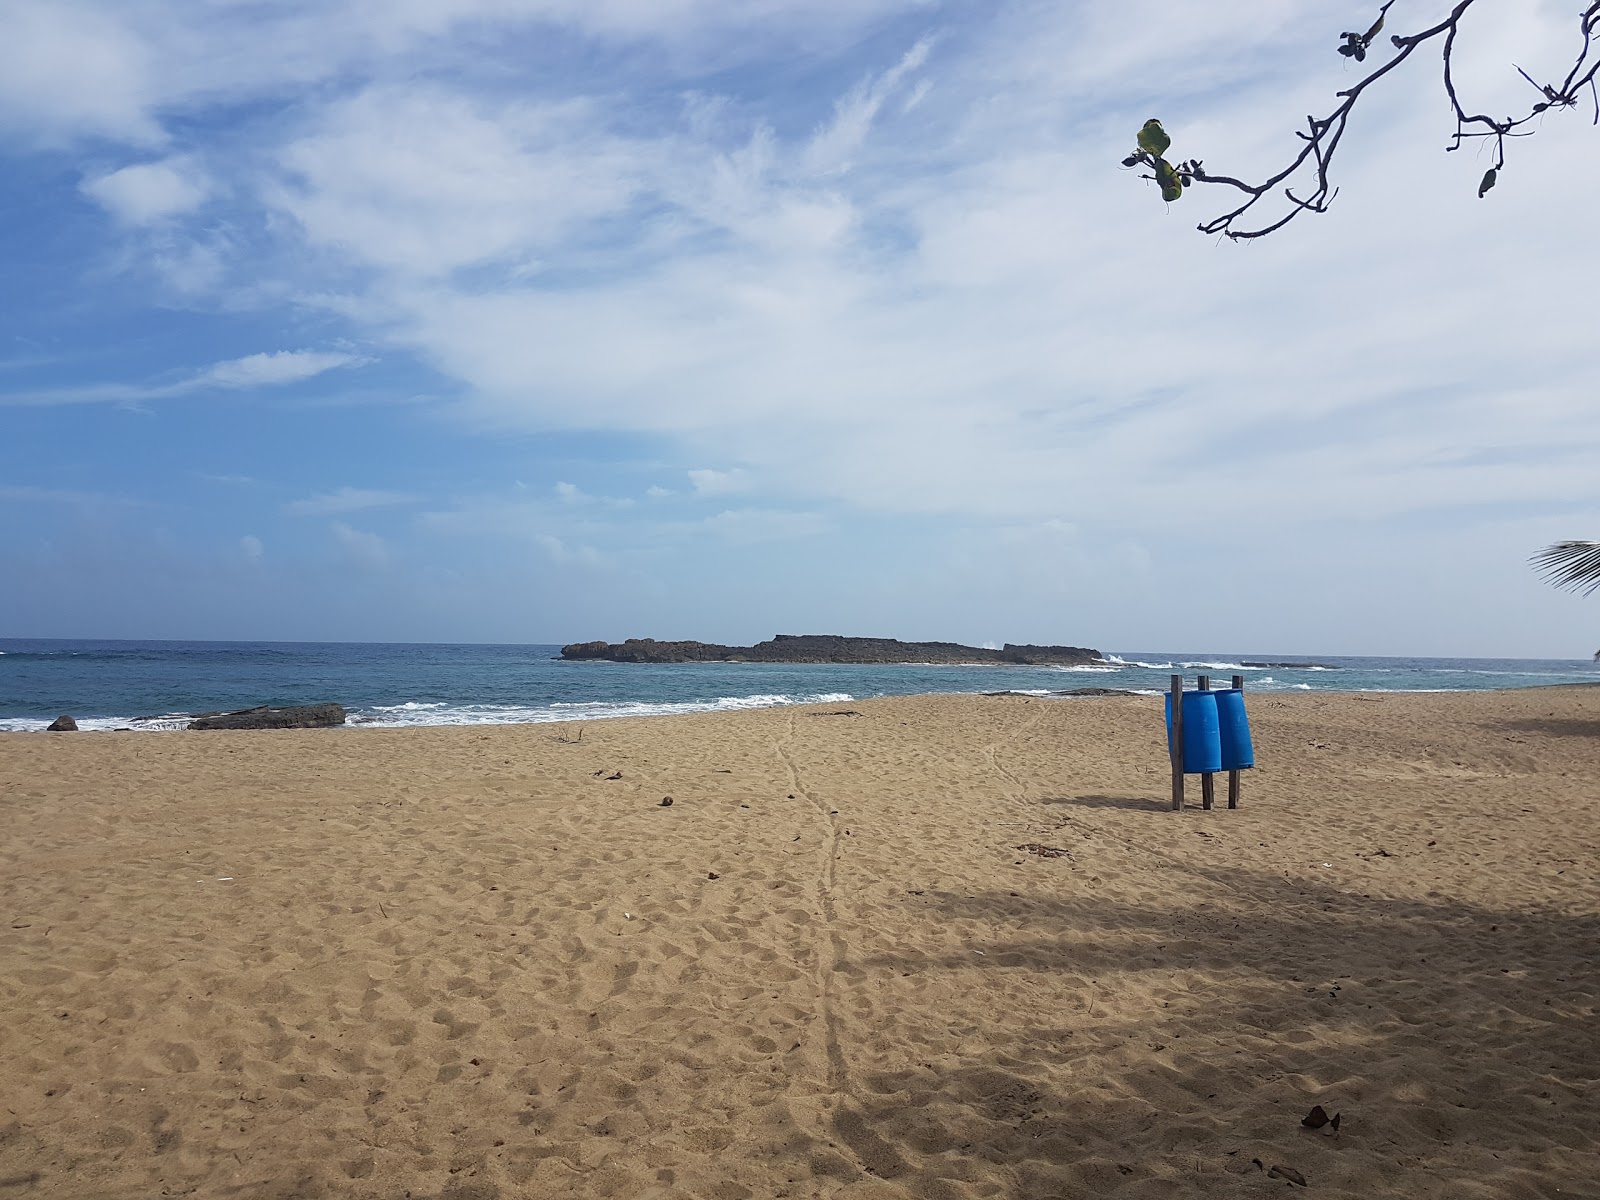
{"x": 1138, "y": 803}
{"x": 1552, "y": 726}
{"x": 1448, "y": 1034}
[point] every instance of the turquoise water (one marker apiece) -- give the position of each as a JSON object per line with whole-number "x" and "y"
{"x": 154, "y": 685}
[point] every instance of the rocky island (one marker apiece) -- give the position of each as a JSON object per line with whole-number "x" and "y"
{"x": 828, "y": 648}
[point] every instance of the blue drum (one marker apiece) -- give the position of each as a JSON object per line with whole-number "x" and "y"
{"x": 1233, "y": 729}
{"x": 1202, "y": 743}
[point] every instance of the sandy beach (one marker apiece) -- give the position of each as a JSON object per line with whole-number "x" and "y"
{"x": 472, "y": 963}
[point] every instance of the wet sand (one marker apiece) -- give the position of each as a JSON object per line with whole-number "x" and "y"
{"x": 475, "y": 963}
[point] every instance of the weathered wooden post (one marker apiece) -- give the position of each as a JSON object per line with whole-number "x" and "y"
{"x": 1177, "y": 743}
{"x": 1208, "y": 793}
{"x": 1233, "y": 774}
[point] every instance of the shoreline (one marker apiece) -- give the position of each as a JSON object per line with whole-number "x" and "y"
{"x": 177, "y": 722}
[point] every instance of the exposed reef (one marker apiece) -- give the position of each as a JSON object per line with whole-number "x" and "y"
{"x": 828, "y": 648}
{"x": 1296, "y": 666}
{"x": 299, "y": 716}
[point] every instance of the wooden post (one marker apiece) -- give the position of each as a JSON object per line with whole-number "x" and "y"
{"x": 1208, "y": 794}
{"x": 1177, "y": 743}
{"x": 1233, "y": 776}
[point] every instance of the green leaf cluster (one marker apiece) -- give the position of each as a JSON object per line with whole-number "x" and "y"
{"x": 1153, "y": 142}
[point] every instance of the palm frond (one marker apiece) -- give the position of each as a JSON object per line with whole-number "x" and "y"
{"x": 1571, "y": 565}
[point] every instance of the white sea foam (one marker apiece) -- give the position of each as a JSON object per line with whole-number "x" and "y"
{"x": 167, "y": 722}
{"x": 413, "y": 714}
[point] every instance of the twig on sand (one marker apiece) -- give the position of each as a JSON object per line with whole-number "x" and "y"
{"x": 1045, "y": 851}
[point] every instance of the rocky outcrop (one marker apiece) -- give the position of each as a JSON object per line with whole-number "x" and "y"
{"x": 299, "y": 716}
{"x": 62, "y": 724}
{"x": 828, "y": 648}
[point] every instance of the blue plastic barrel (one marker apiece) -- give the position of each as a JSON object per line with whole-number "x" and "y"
{"x": 1202, "y": 746}
{"x": 1233, "y": 728}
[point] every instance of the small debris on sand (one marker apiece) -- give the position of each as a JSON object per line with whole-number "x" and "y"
{"x": 1045, "y": 851}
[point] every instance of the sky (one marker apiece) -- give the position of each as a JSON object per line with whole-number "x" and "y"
{"x": 556, "y": 320}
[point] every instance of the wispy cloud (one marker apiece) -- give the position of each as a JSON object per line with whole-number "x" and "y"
{"x": 268, "y": 370}
{"x": 272, "y": 369}
{"x": 833, "y": 146}
{"x": 346, "y": 500}
{"x": 755, "y": 525}
{"x": 16, "y": 494}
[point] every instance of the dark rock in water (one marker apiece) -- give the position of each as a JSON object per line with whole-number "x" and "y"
{"x": 1293, "y": 666}
{"x": 828, "y": 648}
{"x": 1083, "y": 691}
{"x": 63, "y": 724}
{"x": 300, "y": 716}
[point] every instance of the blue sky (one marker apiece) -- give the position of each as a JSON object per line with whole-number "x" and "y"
{"x": 544, "y": 320}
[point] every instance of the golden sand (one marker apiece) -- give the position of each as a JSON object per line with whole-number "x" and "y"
{"x": 471, "y": 963}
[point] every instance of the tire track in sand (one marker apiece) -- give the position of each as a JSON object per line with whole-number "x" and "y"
{"x": 830, "y": 958}
{"x": 992, "y": 753}
{"x": 874, "y": 1155}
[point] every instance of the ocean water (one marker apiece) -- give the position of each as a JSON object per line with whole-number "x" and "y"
{"x": 156, "y": 685}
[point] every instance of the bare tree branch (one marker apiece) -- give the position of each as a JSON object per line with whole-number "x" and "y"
{"x": 1323, "y": 135}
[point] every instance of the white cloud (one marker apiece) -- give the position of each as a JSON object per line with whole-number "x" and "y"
{"x": 269, "y": 370}
{"x": 362, "y": 549}
{"x": 70, "y": 69}
{"x": 707, "y": 482}
{"x": 560, "y": 533}
{"x": 966, "y": 322}
{"x": 424, "y": 181}
{"x": 346, "y": 500}
{"x": 148, "y": 192}
{"x": 107, "y": 68}
{"x": 252, "y": 548}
